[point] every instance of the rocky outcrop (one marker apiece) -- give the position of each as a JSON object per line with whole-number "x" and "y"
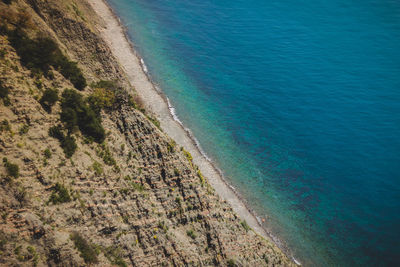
{"x": 135, "y": 200}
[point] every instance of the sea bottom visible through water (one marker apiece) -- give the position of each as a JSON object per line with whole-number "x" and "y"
{"x": 298, "y": 104}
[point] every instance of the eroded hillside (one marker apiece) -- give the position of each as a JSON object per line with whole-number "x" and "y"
{"x": 87, "y": 176}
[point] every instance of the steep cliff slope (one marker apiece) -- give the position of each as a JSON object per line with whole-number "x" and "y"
{"x": 87, "y": 177}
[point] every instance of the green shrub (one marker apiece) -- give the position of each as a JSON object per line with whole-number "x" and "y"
{"x": 98, "y": 169}
{"x": 245, "y": 225}
{"x": 88, "y": 253}
{"x": 20, "y": 194}
{"x": 176, "y": 172}
{"x": 90, "y": 125}
{"x": 71, "y": 98}
{"x": 50, "y": 75}
{"x": 3, "y": 242}
{"x": 36, "y": 54}
{"x": 106, "y": 95}
{"x": 70, "y": 119}
{"x": 49, "y": 98}
{"x": 187, "y": 155}
{"x": 103, "y": 96}
{"x": 231, "y": 263}
{"x": 47, "y": 153}
{"x": 130, "y": 154}
{"x": 41, "y": 53}
{"x": 171, "y": 146}
{"x": 69, "y": 146}
{"x": 24, "y": 129}
{"x": 72, "y": 72}
{"x": 68, "y": 143}
{"x": 4, "y": 91}
{"x": 5, "y": 126}
{"x": 201, "y": 177}
{"x": 163, "y": 226}
{"x": 12, "y": 169}
{"x": 95, "y": 103}
{"x": 191, "y": 234}
{"x": 75, "y": 112}
{"x": 138, "y": 187}
{"x": 60, "y": 194}
{"x": 17, "y": 250}
{"x": 38, "y": 82}
{"x": 56, "y": 132}
{"x": 154, "y": 121}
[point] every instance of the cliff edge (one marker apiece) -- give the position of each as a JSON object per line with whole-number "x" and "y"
{"x": 87, "y": 176}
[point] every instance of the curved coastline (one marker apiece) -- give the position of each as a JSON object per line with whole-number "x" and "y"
{"x": 116, "y": 36}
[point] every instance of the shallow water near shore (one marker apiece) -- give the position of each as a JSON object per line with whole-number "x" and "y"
{"x": 298, "y": 104}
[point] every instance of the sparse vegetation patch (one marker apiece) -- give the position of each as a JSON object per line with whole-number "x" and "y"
{"x": 47, "y": 153}
{"x": 171, "y": 146}
{"x": 105, "y": 154}
{"x": 98, "y": 169}
{"x": 5, "y": 126}
{"x": 60, "y": 194}
{"x": 154, "y": 121}
{"x": 114, "y": 255}
{"x": 24, "y": 129}
{"x": 245, "y": 225}
{"x": 191, "y": 234}
{"x": 188, "y": 156}
{"x": 12, "y": 169}
{"x": 88, "y": 253}
{"x": 103, "y": 96}
{"x": 201, "y": 177}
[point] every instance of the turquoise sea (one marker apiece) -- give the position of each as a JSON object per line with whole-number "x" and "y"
{"x": 298, "y": 103}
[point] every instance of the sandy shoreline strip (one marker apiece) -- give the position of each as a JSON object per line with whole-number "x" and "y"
{"x": 115, "y": 36}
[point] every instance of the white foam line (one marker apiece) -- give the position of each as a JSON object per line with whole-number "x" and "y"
{"x": 296, "y": 261}
{"x": 172, "y": 110}
{"x": 144, "y": 67}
